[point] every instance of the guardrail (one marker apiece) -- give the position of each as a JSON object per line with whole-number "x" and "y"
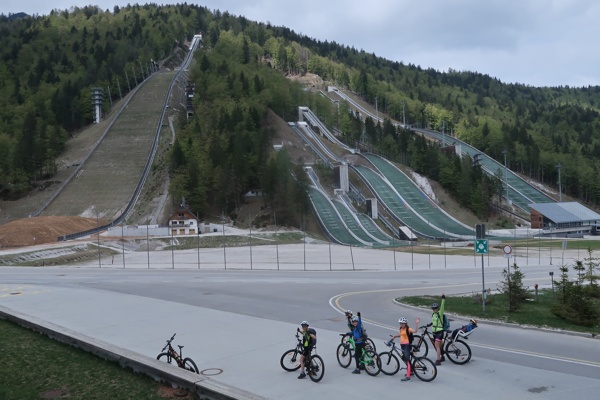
{"x": 195, "y": 43}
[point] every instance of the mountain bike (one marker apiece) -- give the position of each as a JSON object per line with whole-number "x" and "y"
{"x": 369, "y": 359}
{"x": 422, "y": 367}
{"x": 369, "y": 344}
{"x": 290, "y": 361}
{"x": 457, "y": 350}
{"x": 170, "y": 355}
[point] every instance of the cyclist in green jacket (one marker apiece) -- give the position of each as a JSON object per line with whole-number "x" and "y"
{"x": 309, "y": 340}
{"x": 437, "y": 327}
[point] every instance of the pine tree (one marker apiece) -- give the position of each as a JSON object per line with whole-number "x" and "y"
{"x": 512, "y": 287}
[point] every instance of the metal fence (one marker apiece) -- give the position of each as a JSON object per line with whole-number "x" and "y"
{"x": 293, "y": 250}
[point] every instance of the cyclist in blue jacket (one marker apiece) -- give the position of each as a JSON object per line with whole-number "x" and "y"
{"x": 359, "y": 340}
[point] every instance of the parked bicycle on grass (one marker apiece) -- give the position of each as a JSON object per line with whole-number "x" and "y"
{"x": 290, "y": 360}
{"x": 170, "y": 355}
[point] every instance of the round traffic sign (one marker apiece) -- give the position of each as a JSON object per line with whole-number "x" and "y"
{"x": 507, "y": 249}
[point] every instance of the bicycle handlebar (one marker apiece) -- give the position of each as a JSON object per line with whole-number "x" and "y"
{"x": 169, "y": 342}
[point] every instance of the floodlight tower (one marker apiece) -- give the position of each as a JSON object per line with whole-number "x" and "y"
{"x": 97, "y": 98}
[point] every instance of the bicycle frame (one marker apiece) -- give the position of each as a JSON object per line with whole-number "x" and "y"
{"x": 364, "y": 351}
{"x": 172, "y": 354}
{"x": 399, "y": 352}
{"x": 429, "y": 335}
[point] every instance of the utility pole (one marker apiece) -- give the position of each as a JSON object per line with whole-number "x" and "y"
{"x": 505, "y": 175}
{"x": 559, "y": 166}
{"x": 128, "y": 84}
{"x": 403, "y": 115}
{"x": 443, "y": 133}
{"x": 119, "y": 86}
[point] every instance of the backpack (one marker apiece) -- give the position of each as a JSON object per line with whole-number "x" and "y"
{"x": 307, "y": 339}
{"x": 411, "y": 336}
{"x": 445, "y": 323}
{"x": 364, "y": 334}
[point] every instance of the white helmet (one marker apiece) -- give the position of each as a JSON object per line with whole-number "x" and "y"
{"x": 349, "y": 312}
{"x": 355, "y": 318}
{"x": 402, "y": 320}
{"x": 304, "y": 323}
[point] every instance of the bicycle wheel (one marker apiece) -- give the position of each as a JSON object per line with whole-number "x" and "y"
{"x": 458, "y": 352}
{"x": 424, "y": 369}
{"x": 164, "y": 357}
{"x": 420, "y": 346}
{"x": 371, "y": 362}
{"x": 370, "y": 345}
{"x": 290, "y": 360}
{"x": 316, "y": 369}
{"x": 344, "y": 355}
{"x": 389, "y": 363}
{"x": 190, "y": 365}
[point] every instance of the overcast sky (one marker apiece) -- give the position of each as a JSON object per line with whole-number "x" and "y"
{"x": 536, "y": 42}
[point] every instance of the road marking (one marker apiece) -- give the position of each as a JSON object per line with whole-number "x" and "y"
{"x": 19, "y": 291}
{"x": 538, "y": 355}
{"x": 334, "y": 302}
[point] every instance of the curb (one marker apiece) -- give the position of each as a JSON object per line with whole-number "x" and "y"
{"x": 508, "y": 324}
{"x": 176, "y": 377}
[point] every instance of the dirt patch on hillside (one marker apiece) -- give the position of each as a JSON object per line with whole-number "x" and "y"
{"x": 39, "y": 230}
{"x": 309, "y": 80}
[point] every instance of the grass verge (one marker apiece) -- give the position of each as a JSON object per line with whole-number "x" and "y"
{"x": 36, "y": 367}
{"x": 533, "y": 313}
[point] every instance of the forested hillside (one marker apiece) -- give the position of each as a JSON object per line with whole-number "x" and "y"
{"x": 50, "y": 63}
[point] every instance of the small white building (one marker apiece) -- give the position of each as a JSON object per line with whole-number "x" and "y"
{"x": 183, "y": 222}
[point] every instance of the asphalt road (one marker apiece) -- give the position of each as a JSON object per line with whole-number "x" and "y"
{"x": 319, "y": 296}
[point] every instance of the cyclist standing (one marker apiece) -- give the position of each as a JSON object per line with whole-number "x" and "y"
{"x": 359, "y": 340}
{"x": 405, "y": 344}
{"x": 437, "y": 327}
{"x": 309, "y": 339}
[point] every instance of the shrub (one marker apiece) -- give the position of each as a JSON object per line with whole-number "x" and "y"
{"x": 512, "y": 287}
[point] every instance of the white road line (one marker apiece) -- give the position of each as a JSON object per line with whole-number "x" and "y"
{"x": 334, "y": 303}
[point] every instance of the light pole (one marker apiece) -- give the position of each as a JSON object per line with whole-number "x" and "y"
{"x": 403, "y": 115}
{"x": 559, "y": 166}
{"x": 505, "y": 175}
{"x": 444, "y": 134}
{"x": 429, "y": 242}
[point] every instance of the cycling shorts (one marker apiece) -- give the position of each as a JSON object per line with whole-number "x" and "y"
{"x": 439, "y": 336}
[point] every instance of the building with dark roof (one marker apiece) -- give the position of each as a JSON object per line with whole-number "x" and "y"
{"x": 570, "y": 219}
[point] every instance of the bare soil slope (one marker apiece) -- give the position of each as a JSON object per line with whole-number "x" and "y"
{"x": 39, "y": 230}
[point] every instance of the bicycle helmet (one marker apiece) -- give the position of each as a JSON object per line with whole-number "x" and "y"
{"x": 402, "y": 320}
{"x": 435, "y": 305}
{"x": 473, "y": 321}
{"x": 349, "y": 312}
{"x": 304, "y": 323}
{"x": 354, "y": 319}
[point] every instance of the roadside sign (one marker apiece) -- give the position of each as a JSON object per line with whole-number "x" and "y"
{"x": 507, "y": 249}
{"x": 481, "y": 246}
